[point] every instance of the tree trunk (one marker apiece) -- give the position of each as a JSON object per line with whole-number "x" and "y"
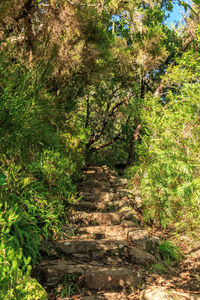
{"x": 131, "y": 155}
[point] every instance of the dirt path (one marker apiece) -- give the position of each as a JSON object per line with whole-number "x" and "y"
{"x": 110, "y": 254}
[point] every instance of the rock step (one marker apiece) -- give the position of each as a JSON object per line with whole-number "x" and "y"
{"x": 94, "y": 189}
{"x": 89, "y": 246}
{"x": 93, "y": 169}
{"x": 95, "y": 176}
{"x": 117, "y": 232}
{"x": 95, "y": 277}
{"x": 95, "y": 206}
{"x": 103, "y": 206}
{"x": 103, "y": 218}
{"x": 97, "y": 218}
{"x": 94, "y": 183}
{"x": 107, "y": 278}
{"x": 100, "y": 196}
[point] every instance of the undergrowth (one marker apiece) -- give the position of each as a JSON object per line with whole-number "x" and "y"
{"x": 39, "y": 163}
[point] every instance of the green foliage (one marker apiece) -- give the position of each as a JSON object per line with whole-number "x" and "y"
{"x": 170, "y": 251}
{"x": 65, "y": 72}
{"x": 18, "y": 246}
{"x": 2, "y": 179}
{"x": 39, "y": 165}
{"x": 169, "y": 153}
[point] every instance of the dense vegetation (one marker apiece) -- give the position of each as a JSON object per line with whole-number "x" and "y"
{"x": 93, "y": 82}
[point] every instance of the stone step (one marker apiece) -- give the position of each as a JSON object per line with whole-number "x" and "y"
{"x": 117, "y": 232}
{"x": 102, "y": 218}
{"x": 92, "y": 170}
{"x": 90, "y": 246}
{"x": 95, "y": 206}
{"x": 96, "y": 197}
{"x": 96, "y": 218}
{"x": 95, "y": 189}
{"x": 53, "y": 272}
{"x": 96, "y": 277}
{"x": 104, "y": 205}
{"x": 107, "y": 278}
{"x": 95, "y": 176}
{"x": 94, "y": 183}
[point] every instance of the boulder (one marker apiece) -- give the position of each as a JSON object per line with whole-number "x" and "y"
{"x": 152, "y": 245}
{"x": 139, "y": 237}
{"x": 141, "y": 257}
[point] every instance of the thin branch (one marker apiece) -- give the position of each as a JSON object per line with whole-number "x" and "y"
{"x": 96, "y": 137}
{"x": 95, "y": 148}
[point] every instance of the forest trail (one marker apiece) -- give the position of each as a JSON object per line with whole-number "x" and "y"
{"x": 110, "y": 253}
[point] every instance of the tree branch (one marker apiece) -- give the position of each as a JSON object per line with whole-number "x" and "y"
{"x": 96, "y": 137}
{"x": 95, "y": 148}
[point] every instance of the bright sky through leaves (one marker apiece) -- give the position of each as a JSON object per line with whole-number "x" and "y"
{"x": 176, "y": 15}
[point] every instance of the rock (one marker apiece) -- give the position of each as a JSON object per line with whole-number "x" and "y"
{"x": 94, "y": 183}
{"x": 82, "y": 256}
{"x": 88, "y": 246}
{"x": 130, "y": 216}
{"x": 113, "y": 231}
{"x": 161, "y": 293}
{"x": 138, "y": 201}
{"x": 97, "y": 218}
{"x": 141, "y": 257}
{"x": 112, "y": 179}
{"x": 110, "y": 278}
{"x": 53, "y": 272}
{"x": 127, "y": 223}
{"x": 93, "y": 189}
{"x": 152, "y": 245}
{"x": 114, "y": 260}
{"x": 99, "y": 236}
{"x": 139, "y": 237}
{"x": 123, "y": 181}
{"x": 87, "y": 196}
{"x": 88, "y": 206}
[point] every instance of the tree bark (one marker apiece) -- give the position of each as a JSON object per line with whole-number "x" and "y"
{"x": 131, "y": 156}
{"x": 87, "y": 112}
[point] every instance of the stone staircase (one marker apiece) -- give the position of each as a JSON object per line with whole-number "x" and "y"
{"x": 105, "y": 258}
